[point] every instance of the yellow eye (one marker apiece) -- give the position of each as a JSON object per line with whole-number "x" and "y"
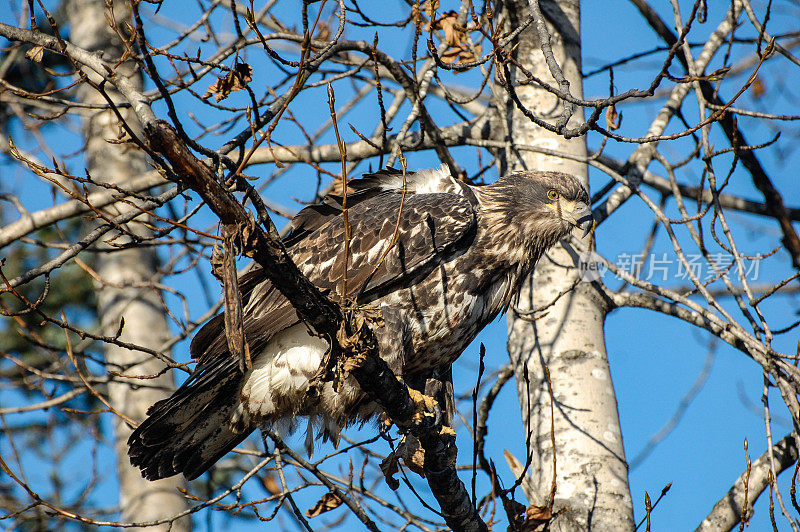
{"x": 552, "y": 195}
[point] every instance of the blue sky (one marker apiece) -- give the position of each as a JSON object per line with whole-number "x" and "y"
{"x": 654, "y": 359}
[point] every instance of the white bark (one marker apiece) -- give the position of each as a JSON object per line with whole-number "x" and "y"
{"x": 591, "y": 472}
{"x": 145, "y": 323}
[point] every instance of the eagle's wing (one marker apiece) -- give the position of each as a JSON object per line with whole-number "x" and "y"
{"x": 271, "y": 314}
{"x": 365, "y": 188}
{"x": 395, "y": 239}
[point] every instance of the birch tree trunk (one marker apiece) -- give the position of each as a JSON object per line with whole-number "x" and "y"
{"x": 591, "y": 472}
{"x": 124, "y": 293}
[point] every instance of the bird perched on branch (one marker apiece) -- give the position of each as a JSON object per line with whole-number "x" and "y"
{"x": 438, "y": 258}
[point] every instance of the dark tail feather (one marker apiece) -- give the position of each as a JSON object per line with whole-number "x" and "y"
{"x": 189, "y": 431}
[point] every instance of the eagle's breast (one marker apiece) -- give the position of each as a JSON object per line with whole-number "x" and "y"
{"x": 443, "y": 313}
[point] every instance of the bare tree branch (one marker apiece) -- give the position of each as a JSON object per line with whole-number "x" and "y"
{"x": 727, "y": 513}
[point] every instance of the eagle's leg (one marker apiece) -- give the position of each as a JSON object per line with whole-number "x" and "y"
{"x": 264, "y": 440}
{"x": 440, "y": 386}
{"x": 433, "y": 395}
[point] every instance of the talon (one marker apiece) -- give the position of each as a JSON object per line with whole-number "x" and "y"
{"x": 427, "y": 408}
{"x": 447, "y": 431}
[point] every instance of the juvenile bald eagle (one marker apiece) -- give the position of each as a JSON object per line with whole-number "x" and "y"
{"x": 439, "y": 258}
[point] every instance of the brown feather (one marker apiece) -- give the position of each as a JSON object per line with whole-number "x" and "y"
{"x": 440, "y": 259}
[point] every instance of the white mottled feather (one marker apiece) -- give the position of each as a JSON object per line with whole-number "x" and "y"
{"x": 282, "y": 371}
{"x": 275, "y": 389}
{"x": 433, "y": 181}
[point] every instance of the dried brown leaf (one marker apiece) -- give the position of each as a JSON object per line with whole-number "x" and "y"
{"x": 455, "y": 36}
{"x": 613, "y": 119}
{"x": 328, "y": 502}
{"x": 413, "y": 455}
{"x": 467, "y": 55}
{"x": 536, "y": 519}
{"x": 447, "y": 431}
{"x": 389, "y": 469}
{"x": 758, "y": 88}
{"x": 430, "y": 9}
{"x": 351, "y": 347}
{"x": 349, "y": 342}
{"x": 410, "y": 449}
{"x": 450, "y": 55}
{"x": 271, "y": 485}
{"x": 539, "y": 513}
{"x": 35, "y": 53}
{"x": 515, "y": 465}
{"x": 351, "y": 363}
{"x": 235, "y": 80}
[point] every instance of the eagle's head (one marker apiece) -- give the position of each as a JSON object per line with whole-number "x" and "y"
{"x": 542, "y": 207}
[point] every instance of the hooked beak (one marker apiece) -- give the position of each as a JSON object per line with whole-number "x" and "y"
{"x": 581, "y": 216}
